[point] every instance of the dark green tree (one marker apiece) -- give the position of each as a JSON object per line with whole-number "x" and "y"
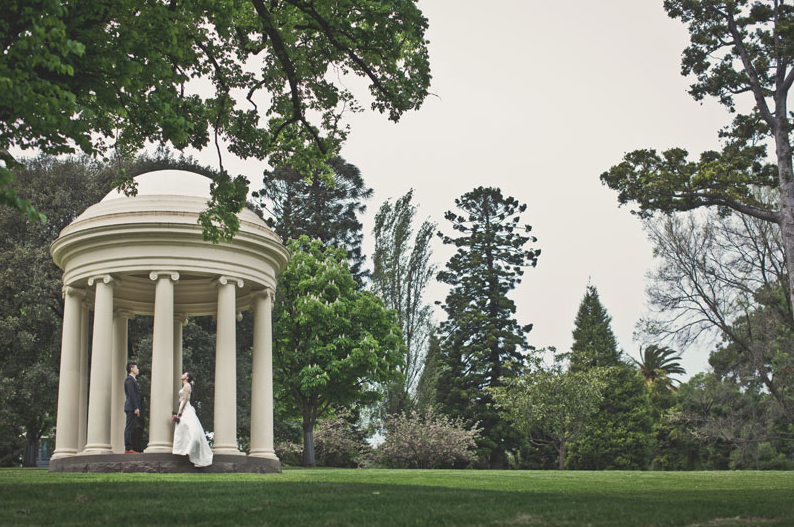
{"x": 95, "y": 76}
{"x": 620, "y": 434}
{"x": 401, "y": 272}
{"x": 739, "y": 49}
{"x": 481, "y": 338}
{"x": 334, "y": 344}
{"x": 30, "y": 286}
{"x": 322, "y": 209}
{"x": 594, "y": 343}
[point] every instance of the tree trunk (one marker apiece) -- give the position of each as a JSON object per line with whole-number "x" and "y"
{"x": 308, "y": 444}
{"x": 561, "y": 456}
{"x": 29, "y": 458}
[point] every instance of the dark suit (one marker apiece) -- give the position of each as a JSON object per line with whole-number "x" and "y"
{"x": 131, "y": 403}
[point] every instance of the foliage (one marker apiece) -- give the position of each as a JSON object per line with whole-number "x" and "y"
{"x": 594, "y": 344}
{"x": 737, "y": 48}
{"x": 333, "y": 344}
{"x": 79, "y": 75}
{"x": 32, "y": 307}
{"x": 322, "y": 209}
{"x": 427, "y": 439}
{"x": 658, "y": 364}
{"x": 620, "y": 434}
{"x": 340, "y": 443}
{"x": 401, "y": 272}
{"x": 725, "y": 277}
{"x": 427, "y": 385}
{"x": 480, "y": 336}
{"x": 550, "y": 407}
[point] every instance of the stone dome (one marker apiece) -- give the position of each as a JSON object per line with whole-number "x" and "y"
{"x": 129, "y": 237}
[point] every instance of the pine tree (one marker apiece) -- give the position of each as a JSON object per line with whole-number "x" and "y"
{"x": 620, "y": 436}
{"x": 480, "y": 337}
{"x": 321, "y": 209}
{"x": 594, "y": 343}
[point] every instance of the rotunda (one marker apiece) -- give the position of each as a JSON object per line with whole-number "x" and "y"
{"x": 145, "y": 255}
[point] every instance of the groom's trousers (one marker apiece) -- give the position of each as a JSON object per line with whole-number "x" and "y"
{"x": 129, "y": 429}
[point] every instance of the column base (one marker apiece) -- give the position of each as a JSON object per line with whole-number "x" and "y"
{"x": 263, "y": 454}
{"x": 162, "y": 448}
{"x": 62, "y": 453}
{"x": 96, "y": 450}
{"x": 227, "y": 451}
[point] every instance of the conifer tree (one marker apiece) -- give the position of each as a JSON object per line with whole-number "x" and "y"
{"x": 319, "y": 208}
{"x": 620, "y": 435}
{"x": 594, "y": 343}
{"x": 481, "y": 338}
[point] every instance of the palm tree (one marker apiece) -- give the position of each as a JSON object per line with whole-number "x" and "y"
{"x": 659, "y": 363}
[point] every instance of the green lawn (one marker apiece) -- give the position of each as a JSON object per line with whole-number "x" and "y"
{"x": 302, "y": 498}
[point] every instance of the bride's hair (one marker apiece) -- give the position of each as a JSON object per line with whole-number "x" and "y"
{"x": 190, "y": 377}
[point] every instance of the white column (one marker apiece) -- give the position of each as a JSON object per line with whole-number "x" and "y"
{"x": 179, "y": 321}
{"x": 99, "y": 394}
{"x": 262, "y": 377}
{"x": 68, "y": 384}
{"x": 118, "y": 419}
{"x": 161, "y": 427}
{"x": 225, "y": 433}
{"x": 82, "y": 424}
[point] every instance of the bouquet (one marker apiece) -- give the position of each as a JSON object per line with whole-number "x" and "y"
{"x": 175, "y": 417}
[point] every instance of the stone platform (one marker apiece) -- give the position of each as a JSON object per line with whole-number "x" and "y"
{"x": 162, "y": 463}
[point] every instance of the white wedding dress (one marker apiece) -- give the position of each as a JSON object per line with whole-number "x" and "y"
{"x": 189, "y": 438}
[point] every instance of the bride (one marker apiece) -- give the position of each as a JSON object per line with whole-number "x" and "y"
{"x": 189, "y": 438}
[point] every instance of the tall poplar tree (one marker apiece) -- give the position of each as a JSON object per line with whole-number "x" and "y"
{"x": 322, "y": 209}
{"x": 481, "y": 338}
{"x": 401, "y": 272}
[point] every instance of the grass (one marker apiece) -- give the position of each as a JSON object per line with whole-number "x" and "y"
{"x": 327, "y": 497}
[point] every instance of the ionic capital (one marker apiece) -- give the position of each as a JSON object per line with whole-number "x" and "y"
{"x": 156, "y": 275}
{"x": 180, "y": 318}
{"x": 73, "y": 291}
{"x": 124, "y": 313}
{"x": 268, "y": 293}
{"x": 224, "y": 280}
{"x": 104, "y": 278}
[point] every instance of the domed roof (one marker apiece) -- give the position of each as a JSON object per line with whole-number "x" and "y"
{"x": 130, "y": 236}
{"x": 168, "y": 182}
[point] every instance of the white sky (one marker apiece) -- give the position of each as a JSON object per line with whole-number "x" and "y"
{"x": 539, "y": 98}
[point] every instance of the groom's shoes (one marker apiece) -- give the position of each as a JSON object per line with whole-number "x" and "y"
{"x": 131, "y": 452}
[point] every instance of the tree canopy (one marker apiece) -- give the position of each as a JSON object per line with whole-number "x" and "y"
{"x": 739, "y": 49}
{"x": 93, "y": 76}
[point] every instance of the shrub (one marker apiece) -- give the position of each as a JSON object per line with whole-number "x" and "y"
{"x": 427, "y": 440}
{"x": 339, "y": 443}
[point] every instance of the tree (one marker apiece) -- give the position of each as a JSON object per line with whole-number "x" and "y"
{"x": 594, "y": 343}
{"x": 738, "y": 48}
{"x": 550, "y": 407}
{"x": 401, "y": 272}
{"x": 321, "y": 209}
{"x": 724, "y": 277}
{"x": 620, "y": 434}
{"x": 80, "y": 75}
{"x": 32, "y": 309}
{"x": 658, "y": 363}
{"x": 333, "y": 344}
{"x": 480, "y": 337}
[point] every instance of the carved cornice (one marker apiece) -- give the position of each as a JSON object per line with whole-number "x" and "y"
{"x": 156, "y": 275}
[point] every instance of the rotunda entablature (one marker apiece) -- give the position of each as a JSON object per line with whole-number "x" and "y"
{"x": 128, "y": 237}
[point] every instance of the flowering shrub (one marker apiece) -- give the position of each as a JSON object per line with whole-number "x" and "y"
{"x": 289, "y": 452}
{"x": 337, "y": 443}
{"x": 426, "y": 440}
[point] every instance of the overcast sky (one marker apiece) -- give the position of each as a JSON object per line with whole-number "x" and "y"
{"x": 539, "y": 98}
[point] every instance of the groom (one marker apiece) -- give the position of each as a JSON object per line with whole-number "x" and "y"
{"x": 132, "y": 406}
